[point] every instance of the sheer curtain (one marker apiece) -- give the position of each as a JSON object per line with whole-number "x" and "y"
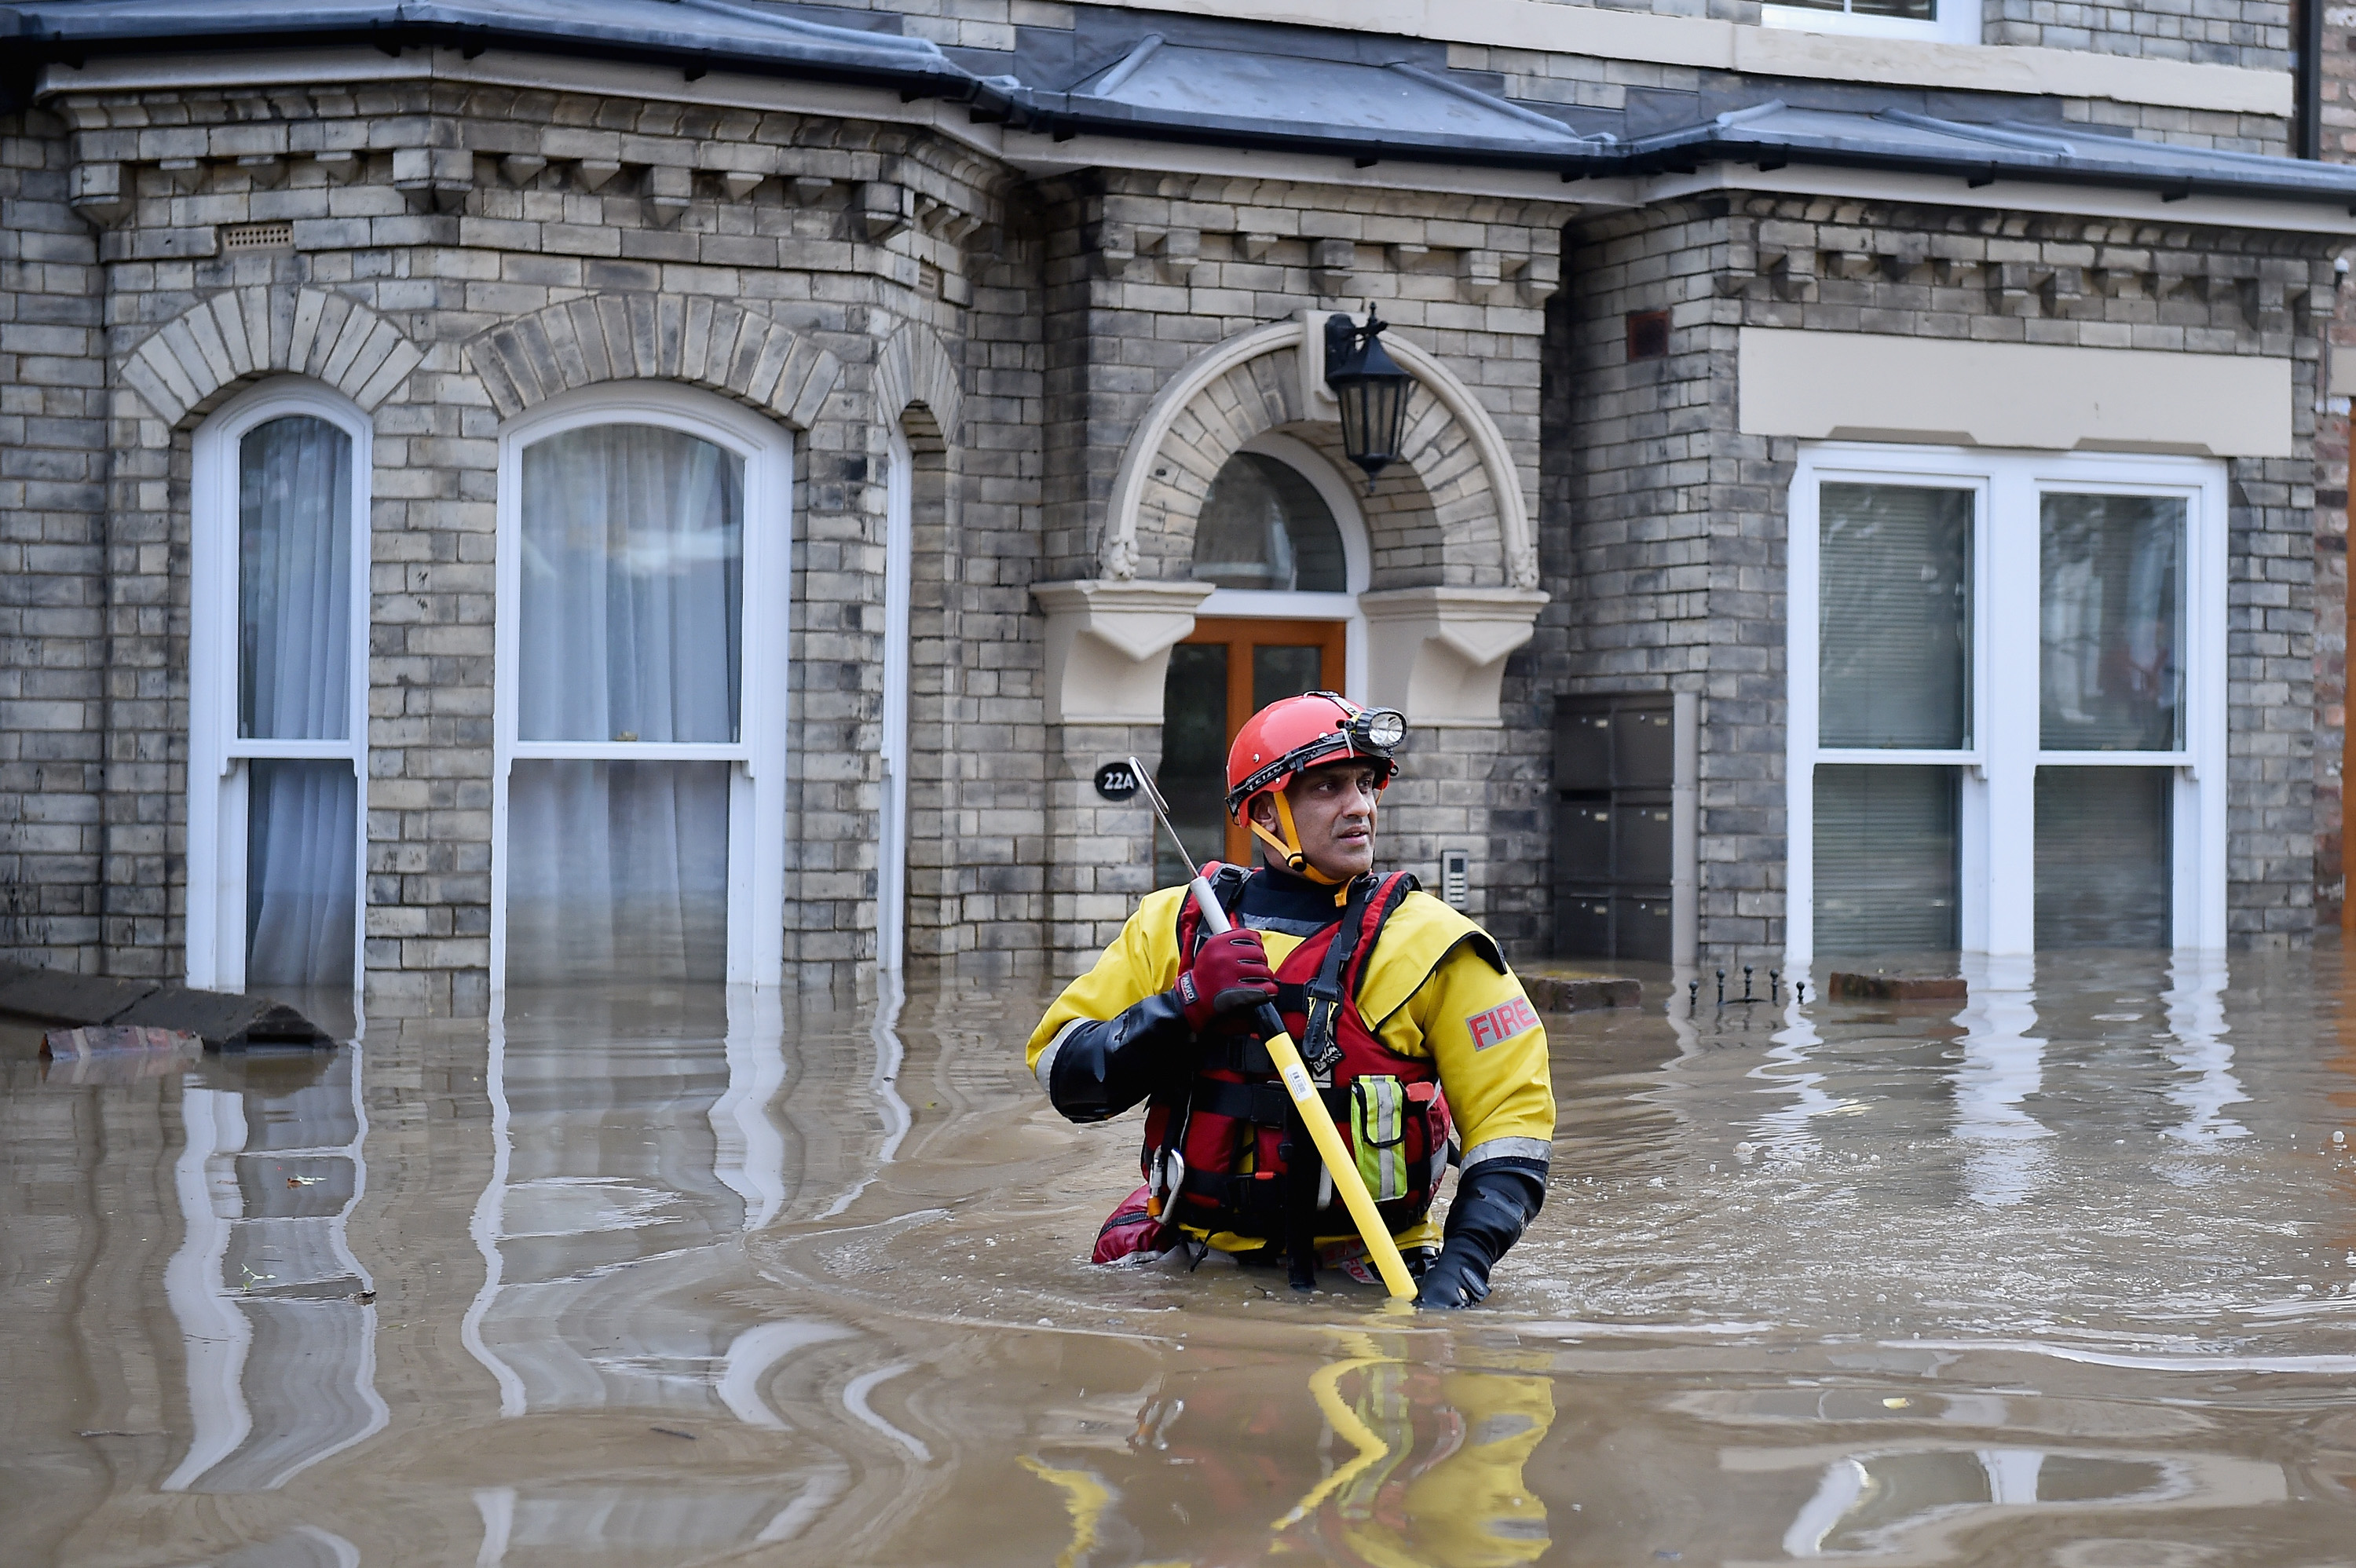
{"x": 630, "y": 631}
{"x": 294, "y": 674}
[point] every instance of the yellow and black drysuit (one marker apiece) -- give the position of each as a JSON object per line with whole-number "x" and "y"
{"x": 1412, "y": 1022}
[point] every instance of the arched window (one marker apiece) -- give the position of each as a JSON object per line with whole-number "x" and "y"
{"x": 1265, "y": 526}
{"x": 277, "y": 691}
{"x": 1280, "y": 537}
{"x": 640, "y": 800}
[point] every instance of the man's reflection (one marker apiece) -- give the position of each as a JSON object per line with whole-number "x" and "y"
{"x": 1421, "y": 1467}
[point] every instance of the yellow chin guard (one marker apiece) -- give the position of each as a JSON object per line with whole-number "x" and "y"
{"x": 1289, "y": 847}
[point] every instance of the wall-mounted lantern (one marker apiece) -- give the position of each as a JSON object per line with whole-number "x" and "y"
{"x": 1372, "y": 389}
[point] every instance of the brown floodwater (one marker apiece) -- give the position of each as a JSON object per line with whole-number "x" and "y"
{"x": 2064, "y": 1275}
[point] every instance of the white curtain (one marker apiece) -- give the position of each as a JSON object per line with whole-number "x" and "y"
{"x": 633, "y": 587}
{"x": 630, "y": 631}
{"x": 294, "y": 632}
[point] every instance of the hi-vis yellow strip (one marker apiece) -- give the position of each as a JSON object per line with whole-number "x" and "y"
{"x": 1323, "y": 1132}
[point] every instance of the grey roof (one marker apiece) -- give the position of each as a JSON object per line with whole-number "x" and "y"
{"x": 1234, "y": 95}
{"x": 1192, "y": 92}
{"x": 1771, "y": 135}
{"x": 691, "y": 32}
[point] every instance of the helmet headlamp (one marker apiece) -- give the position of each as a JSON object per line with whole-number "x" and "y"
{"x": 1380, "y": 729}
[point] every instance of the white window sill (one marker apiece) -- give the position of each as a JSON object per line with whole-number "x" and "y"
{"x": 1963, "y": 27}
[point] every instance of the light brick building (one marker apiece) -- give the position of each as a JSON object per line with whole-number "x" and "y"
{"x": 704, "y": 488}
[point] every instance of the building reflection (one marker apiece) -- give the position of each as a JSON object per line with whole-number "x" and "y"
{"x": 1911, "y": 1503}
{"x": 636, "y": 1146}
{"x": 274, "y": 1310}
{"x": 2205, "y": 1080}
{"x": 2003, "y": 1065}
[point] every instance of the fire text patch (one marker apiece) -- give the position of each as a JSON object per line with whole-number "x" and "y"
{"x": 1501, "y": 1023}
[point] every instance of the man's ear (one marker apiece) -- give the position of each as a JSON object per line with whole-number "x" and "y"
{"x": 1262, "y": 810}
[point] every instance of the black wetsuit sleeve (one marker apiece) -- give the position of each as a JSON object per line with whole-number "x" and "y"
{"x": 1100, "y": 1068}
{"x": 1494, "y": 1205}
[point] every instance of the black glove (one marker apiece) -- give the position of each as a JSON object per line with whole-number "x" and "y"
{"x": 1459, "y": 1276}
{"x": 1101, "y": 1067}
{"x": 1493, "y": 1206}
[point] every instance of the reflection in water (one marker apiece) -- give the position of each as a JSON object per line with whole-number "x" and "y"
{"x": 1423, "y": 1464}
{"x": 2003, "y": 1065}
{"x": 777, "y": 1287}
{"x": 1883, "y": 1504}
{"x": 883, "y": 1084}
{"x": 2196, "y": 1025}
{"x": 628, "y": 1165}
{"x": 280, "y": 1340}
{"x": 1789, "y": 1133}
{"x": 623, "y": 1172}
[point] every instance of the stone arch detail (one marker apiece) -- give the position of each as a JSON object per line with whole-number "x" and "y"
{"x": 738, "y": 352}
{"x": 914, "y": 366}
{"x": 239, "y": 332}
{"x": 1451, "y": 511}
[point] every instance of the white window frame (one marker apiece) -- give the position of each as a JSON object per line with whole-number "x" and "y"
{"x": 218, "y": 757}
{"x": 1358, "y": 560}
{"x": 1996, "y": 811}
{"x": 892, "y": 835}
{"x": 1954, "y": 21}
{"x": 756, "y": 793}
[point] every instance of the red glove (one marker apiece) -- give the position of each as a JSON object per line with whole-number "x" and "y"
{"x": 1230, "y": 971}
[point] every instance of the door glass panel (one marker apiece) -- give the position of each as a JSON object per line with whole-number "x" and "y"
{"x": 632, "y": 587}
{"x": 1278, "y": 673}
{"x": 2104, "y": 877}
{"x": 294, "y": 581}
{"x": 1894, "y": 651}
{"x": 1885, "y": 851}
{"x": 1193, "y": 776}
{"x": 1264, "y": 525}
{"x": 2113, "y": 576}
{"x": 617, "y": 870}
{"x": 302, "y": 872}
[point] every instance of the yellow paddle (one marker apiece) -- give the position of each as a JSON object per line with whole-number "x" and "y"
{"x": 1296, "y": 1080}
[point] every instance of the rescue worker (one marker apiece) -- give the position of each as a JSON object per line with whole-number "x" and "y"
{"x": 1425, "y": 1047}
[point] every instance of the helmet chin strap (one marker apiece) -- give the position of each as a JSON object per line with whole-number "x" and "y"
{"x": 1289, "y": 847}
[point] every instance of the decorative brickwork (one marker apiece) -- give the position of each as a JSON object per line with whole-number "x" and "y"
{"x": 2255, "y": 33}
{"x": 744, "y": 354}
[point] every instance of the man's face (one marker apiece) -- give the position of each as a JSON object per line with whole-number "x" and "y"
{"x": 1334, "y": 811}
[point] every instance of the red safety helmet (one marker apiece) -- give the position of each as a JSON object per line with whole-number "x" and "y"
{"x": 1288, "y": 736}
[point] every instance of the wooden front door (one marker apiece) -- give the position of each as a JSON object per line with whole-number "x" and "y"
{"x": 1220, "y": 675}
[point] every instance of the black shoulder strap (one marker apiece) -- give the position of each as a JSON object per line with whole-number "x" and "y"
{"x": 1324, "y": 992}
{"x": 1227, "y": 885}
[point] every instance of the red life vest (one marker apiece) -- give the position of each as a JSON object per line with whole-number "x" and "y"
{"x": 1235, "y": 1127}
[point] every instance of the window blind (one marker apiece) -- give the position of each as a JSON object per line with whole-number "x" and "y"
{"x": 1894, "y": 650}
{"x": 1885, "y": 859}
{"x": 2103, "y": 867}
